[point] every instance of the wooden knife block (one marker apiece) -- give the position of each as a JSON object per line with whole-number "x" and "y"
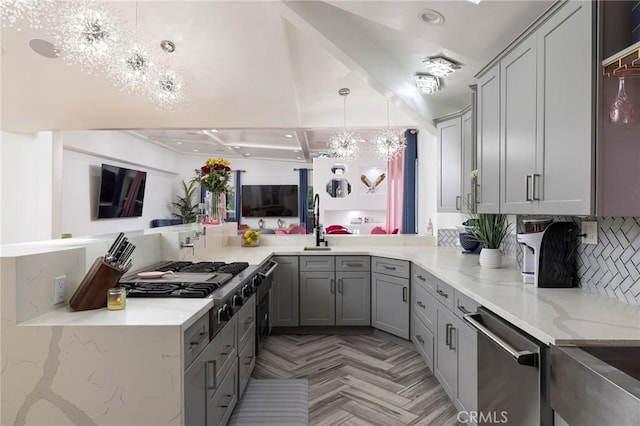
{"x": 92, "y": 291}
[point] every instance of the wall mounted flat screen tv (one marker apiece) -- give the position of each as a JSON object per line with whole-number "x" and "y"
{"x": 121, "y": 192}
{"x": 269, "y": 200}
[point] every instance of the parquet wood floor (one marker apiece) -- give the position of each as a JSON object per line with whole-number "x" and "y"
{"x": 358, "y": 380}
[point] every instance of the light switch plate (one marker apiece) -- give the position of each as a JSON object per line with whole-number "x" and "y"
{"x": 590, "y": 229}
{"x": 58, "y": 289}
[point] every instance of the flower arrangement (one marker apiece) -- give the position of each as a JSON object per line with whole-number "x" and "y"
{"x": 214, "y": 175}
{"x": 250, "y": 238}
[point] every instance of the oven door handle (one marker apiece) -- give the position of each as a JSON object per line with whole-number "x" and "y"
{"x": 270, "y": 271}
{"x": 527, "y": 358}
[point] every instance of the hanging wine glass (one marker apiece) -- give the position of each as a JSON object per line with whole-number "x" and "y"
{"x": 622, "y": 110}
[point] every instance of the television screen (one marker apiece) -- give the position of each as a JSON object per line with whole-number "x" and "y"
{"x": 269, "y": 200}
{"x": 121, "y": 192}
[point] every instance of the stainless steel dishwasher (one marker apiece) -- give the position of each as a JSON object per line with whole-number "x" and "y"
{"x": 512, "y": 373}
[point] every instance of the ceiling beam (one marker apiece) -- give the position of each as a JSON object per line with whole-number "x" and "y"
{"x": 303, "y": 141}
{"x": 334, "y": 29}
{"x": 215, "y": 138}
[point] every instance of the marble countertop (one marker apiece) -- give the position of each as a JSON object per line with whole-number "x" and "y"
{"x": 554, "y": 316}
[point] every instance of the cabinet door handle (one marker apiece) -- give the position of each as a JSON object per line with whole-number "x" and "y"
{"x": 451, "y": 337}
{"x": 211, "y": 372}
{"x": 420, "y": 277}
{"x": 463, "y": 310}
{"x": 448, "y": 336}
{"x": 249, "y": 320}
{"x": 458, "y": 202}
{"x": 333, "y": 286}
{"x": 355, "y": 264}
{"x": 391, "y": 268}
{"x": 249, "y": 359}
{"x": 340, "y": 283}
{"x": 200, "y": 339}
{"x": 442, "y": 293}
{"x": 419, "y": 339}
{"x": 419, "y": 303}
{"x": 527, "y": 182}
{"x": 404, "y": 294}
{"x": 536, "y": 177}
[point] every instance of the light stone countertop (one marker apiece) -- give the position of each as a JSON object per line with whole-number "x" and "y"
{"x": 554, "y": 316}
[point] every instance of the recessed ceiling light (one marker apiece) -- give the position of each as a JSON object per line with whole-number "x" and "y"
{"x": 439, "y": 66}
{"x": 246, "y": 154}
{"x": 195, "y": 150}
{"x": 179, "y": 143}
{"x": 214, "y": 130}
{"x": 237, "y": 147}
{"x": 296, "y": 150}
{"x": 168, "y": 46}
{"x": 299, "y": 158}
{"x": 431, "y": 17}
{"x": 229, "y": 147}
{"x": 288, "y": 135}
{"x": 44, "y": 48}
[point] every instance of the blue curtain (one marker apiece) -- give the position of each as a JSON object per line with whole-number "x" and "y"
{"x": 409, "y": 207}
{"x": 303, "y": 202}
{"x": 238, "y": 196}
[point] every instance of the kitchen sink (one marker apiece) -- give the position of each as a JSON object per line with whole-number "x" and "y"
{"x": 314, "y": 248}
{"x": 596, "y": 385}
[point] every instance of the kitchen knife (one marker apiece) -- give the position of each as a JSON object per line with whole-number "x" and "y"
{"x": 115, "y": 244}
{"x": 120, "y": 251}
{"x": 126, "y": 254}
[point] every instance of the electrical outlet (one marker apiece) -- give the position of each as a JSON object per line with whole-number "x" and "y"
{"x": 590, "y": 229}
{"x": 58, "y": 289}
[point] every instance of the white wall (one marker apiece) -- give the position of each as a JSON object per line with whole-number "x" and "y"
{"x": 83, "y": 154}
{"x": 427, "y": 176}
{"x": 25, "y": 187}
{"x": 257, "y": 172}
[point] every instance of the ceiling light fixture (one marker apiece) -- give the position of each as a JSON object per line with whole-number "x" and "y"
{"x": 288, "y": 135}
{"x": 88, "y": 33}
{"x": 427, "y": 83}
{"x": 169, "y": 86}
{"x": 214, "y": 130}
{"x": 15, "y": 12}
{"x": 344, "y": 144}
{"x": 179, "y": 143}
{"x": 431, "y": 17}
{"x": 133, "y": 67}
{"x": 168, "y": 46}
{"x": 389, "y": 143}
{"x": 439, "y": 66}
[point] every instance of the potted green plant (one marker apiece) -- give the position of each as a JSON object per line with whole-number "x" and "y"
{"x": 490, "y": 230}
{"x": 185, "y": 206}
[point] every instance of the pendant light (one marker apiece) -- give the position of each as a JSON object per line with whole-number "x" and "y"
{"x": 389, "y": 143}
{"x": 344, "y": 144}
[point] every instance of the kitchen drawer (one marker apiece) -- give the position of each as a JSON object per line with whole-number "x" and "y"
{"x": 221, "y": 404}
{"x": 317, "y": 263}
{"x": 423, "y": 340}
{"x": 246, "y": 320}
{"x": 246, "y": 360}
{"x": 224, "y": 349}
{"x": 425, "y": 306}
{"x": 423, "y": 278}
{"x": 396, "y": 268}
{"x": 464, "y": 305}
{"x": 353, "y": 263}
{"x": 444, "y": 294}
{"x": 196, "y": 338}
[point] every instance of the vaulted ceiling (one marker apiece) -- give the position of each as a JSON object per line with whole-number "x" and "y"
{"x": 268, "y": 68}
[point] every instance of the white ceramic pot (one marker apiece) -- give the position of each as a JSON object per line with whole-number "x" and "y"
{"x": 490, "y": 258}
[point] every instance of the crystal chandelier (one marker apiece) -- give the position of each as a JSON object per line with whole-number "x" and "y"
{"x": 133, "y": 67}
{"x": 344, "y": 144}
{"x": 168, "y": 90}
{"x": 89, "y": 33}
{"x": 389, "y": 143}
{"x": 14, "y": 12}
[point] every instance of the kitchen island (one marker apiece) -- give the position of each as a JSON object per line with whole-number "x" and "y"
{"x": 103, "y": 367}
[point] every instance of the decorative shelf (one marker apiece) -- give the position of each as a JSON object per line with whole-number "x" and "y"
{"x": 625, "y": 63}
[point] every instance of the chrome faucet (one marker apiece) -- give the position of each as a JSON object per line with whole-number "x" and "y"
{"x": 317, "y": 226}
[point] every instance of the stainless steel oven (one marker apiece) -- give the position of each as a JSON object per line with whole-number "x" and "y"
{"x": 262, "y": 284}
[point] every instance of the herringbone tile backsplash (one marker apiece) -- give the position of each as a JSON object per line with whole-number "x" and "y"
{"x": 611, "y": 267}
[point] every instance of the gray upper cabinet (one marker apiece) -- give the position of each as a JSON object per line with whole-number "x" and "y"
{"x": 317, "y": 298}
{"x": 390, "y": 304}
{"x": 542, "y": 120}
{"x": 566, "y": 94}
{"x": 284, "y": 293}
{"x": 488, "y": 141}
{"x": 353, "y": 298}
{"x": 449, "y": 165}
{"x": 468, "y": 158}
{"x": 518, "y": 112}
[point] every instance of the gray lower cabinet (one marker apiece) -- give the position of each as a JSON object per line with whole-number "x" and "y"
{"x": 467, "y": 380}
{"x": 353, "y": 298}
{"x": 445, "y": 367}
{"x": 390, "y": 304}
{"x": 284, "y": 293}
{"x": 317, "y": 298}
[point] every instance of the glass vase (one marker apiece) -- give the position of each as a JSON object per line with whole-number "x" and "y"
{"x": 215, "y": 205}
